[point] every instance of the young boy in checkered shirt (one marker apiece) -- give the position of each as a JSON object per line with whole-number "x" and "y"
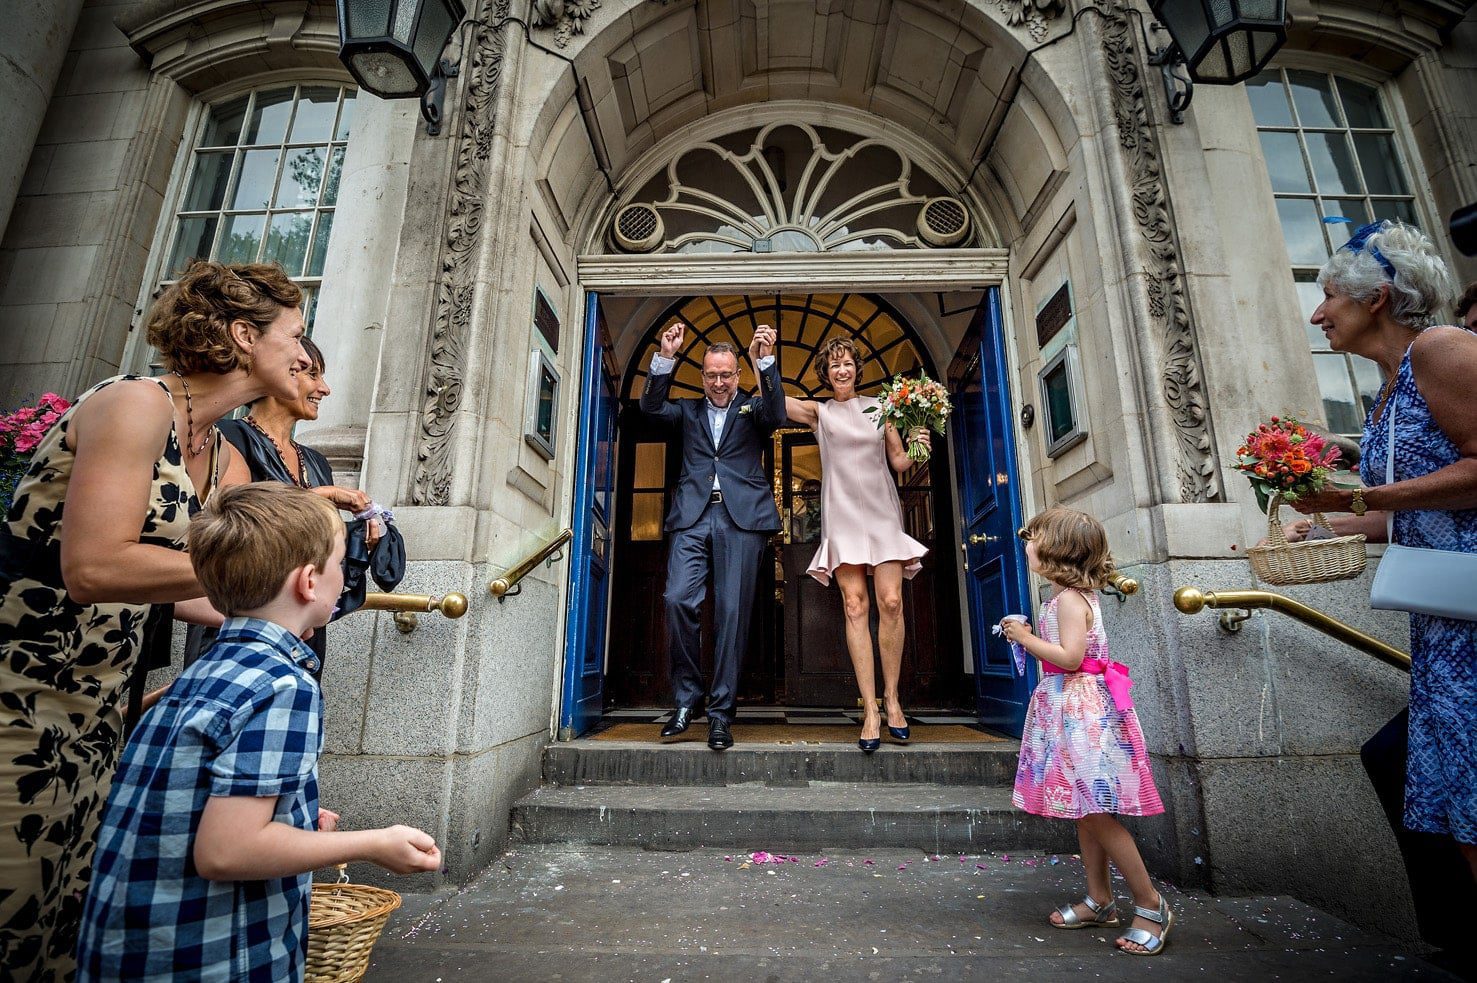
{"x": 212, "y": 828}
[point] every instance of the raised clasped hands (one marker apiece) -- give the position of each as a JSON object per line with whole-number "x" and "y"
{"x": 763, "y": 343}
{"x": 671, "y": 340}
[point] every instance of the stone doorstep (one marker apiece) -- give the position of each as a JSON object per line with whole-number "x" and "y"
{"x": 610, "y": 913}
{"x": 690, "y": 762}
{"x": 859, "y": 816}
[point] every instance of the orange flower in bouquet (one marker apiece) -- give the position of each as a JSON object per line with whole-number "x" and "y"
{"x": 1284, "y": 457}
{"x": 911, "y": 403}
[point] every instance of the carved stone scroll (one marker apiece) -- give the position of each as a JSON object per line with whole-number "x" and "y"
{"x": 481, "y": 72}
{"x": 1031, "y": 14}
{"x": 1179, "y": 372}
{"x": 566, "y": 17}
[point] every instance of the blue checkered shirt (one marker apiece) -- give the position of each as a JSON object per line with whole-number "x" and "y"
{"x": 246, "y": 719}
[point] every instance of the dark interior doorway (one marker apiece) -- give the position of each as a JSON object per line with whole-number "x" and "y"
{"x": 797, "y": 654}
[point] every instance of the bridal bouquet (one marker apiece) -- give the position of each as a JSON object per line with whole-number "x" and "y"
{"x": 1284, "y": 457}
{"x": 20, "y": 432}
{"x": 910, "y": 403}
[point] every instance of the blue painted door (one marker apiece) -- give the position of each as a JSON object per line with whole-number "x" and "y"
{"x": 990, "y": 512}
{"x": 589, "y": 562}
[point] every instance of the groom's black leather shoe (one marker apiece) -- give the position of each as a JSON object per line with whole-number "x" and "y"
{"x": 680, "y": 719}
{"x": 719, "y": 736}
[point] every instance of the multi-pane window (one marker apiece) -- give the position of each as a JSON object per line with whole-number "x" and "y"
{"x": 1331, "y": 153}
{"x": 263, "y": 183}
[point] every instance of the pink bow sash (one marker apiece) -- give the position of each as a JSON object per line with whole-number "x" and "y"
{"x": 1115, "y": 676}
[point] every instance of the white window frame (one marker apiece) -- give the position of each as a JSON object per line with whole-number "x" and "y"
{"x": 138, "y": 355}
{"x": 1406, "y": 156}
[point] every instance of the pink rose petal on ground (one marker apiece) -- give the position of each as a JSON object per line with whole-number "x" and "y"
{"x": 980, "y": 867}
{"x": 902, "y": 866}
{"x": 1005, "y": 857}
{"x": 868, "y": 862}
{"x": 760, "y": 857}
{"x": 728, "y": 860}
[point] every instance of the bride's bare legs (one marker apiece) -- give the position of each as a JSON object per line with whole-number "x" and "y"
{"x": 887, "y": 580}
{"x": 852, "y": 580}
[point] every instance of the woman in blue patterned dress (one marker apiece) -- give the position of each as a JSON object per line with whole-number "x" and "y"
{"x": 1383, "y": 296}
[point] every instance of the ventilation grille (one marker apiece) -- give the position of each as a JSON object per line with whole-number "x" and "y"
{"x": 943, "y": 222}
{"x": 638, "y": 228}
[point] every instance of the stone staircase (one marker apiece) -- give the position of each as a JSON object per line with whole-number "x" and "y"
{"x": 938, "y": 798}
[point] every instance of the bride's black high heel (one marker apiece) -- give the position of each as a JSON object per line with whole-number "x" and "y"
{"x": 900, "y": 734}
{"x": 868, "y": 744}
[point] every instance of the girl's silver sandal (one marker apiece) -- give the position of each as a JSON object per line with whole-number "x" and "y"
{"x": 1101, "y": 915}
{"x": 1153, "y": 944}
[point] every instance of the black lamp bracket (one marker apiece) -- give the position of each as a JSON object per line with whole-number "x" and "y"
{"x": 1179, "y": 88}
{"x": 449, "y": 66}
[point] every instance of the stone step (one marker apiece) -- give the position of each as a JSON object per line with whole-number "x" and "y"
{"x": 591, "y": 762}
{"x": 854, "y": 815}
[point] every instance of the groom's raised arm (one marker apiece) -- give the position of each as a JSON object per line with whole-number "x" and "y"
{"x": 770, "y": 414}
{"x": 654, "y": 401}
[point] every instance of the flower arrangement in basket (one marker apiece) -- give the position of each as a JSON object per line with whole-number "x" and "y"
{"x": 20, "y": 432}
{"x": 1284, "y": 461}
{"x": 911, "y": 403}
{"x": 344, "y": 922}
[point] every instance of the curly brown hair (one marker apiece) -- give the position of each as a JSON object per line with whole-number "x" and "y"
{"x": 190, "y": 322}
{"x": 1071, "y": 548}
{"x": 831, "y": 350}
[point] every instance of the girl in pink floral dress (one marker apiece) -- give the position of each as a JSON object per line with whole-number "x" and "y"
{"x": 1082, "y": 750}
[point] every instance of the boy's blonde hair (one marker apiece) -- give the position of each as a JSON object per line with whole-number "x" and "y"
{"x": 1071, "y": 548}
{"x": 247, "y": 540}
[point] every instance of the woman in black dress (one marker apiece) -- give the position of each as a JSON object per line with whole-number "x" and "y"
{"x": 264, "y": 438}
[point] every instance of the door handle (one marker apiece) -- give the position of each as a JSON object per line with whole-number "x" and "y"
{"x": 977, "y": 540}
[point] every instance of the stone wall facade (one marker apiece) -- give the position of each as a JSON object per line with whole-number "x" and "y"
{"x": 1188, "y": 321}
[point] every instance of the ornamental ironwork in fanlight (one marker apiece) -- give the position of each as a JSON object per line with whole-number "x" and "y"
{"x": 791, "y": 187}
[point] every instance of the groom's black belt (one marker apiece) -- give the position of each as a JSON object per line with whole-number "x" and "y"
{"x": 716, "y": 497}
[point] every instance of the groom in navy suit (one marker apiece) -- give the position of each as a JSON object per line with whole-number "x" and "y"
{"x": 722, "y": 516}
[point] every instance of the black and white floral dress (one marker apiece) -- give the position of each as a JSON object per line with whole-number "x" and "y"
{"x": 62, "y": 682}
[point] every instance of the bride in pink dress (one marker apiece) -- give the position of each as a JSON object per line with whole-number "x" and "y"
{"x": 861, "y": 527}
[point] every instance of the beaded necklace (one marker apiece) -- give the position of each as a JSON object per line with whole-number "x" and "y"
{"x": 301, "y": 478}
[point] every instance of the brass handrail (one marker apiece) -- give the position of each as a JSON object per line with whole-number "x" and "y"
{"x": 507, "y": 584}
{"x": 1192, "y": 600}
{"x": 405, "y": 606}
{"x": 1121, "y": 586}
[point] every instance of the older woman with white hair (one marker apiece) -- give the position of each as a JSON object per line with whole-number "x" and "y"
{"x": 1383, "y": 297}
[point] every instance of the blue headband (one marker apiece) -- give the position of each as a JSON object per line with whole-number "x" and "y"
{"x": 1359, "y": 242}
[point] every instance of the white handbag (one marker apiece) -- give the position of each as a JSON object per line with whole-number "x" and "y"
{"x": 1442, "y": 583}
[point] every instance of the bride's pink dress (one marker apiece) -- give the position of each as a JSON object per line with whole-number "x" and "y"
{"x": 861, "y": 519}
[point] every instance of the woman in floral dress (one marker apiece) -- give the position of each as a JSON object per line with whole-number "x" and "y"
{"x": 128, "y": 463}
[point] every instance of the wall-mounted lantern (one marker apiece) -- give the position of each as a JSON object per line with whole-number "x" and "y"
{"x": 393, "y": 48}
{"x": 1215, "y": 42}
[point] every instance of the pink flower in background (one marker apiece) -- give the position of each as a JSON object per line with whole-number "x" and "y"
{"x": 20, "y": 432}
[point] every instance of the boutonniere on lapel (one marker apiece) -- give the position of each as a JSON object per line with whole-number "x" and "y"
{"x": 746, "y": 409}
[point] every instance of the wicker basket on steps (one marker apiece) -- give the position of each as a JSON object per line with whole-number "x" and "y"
{"x": 1312, "y": 561}
{"x": 344, "y": 921}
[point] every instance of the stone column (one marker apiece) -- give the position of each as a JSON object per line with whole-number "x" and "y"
{"x": 32, "y": 47}
{"x": 359, "y": 272}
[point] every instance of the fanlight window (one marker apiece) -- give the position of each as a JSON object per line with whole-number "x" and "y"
{"x": 790, "y": 187}
{"x": 805, "y": 324}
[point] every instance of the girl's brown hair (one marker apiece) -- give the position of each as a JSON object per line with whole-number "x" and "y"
{"x": 190, "y": 323}
{"x": 833, "y": 349}
{"x": 1071, "y": 548}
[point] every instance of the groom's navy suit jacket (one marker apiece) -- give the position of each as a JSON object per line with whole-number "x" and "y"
{"x": 738, "y": 460}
